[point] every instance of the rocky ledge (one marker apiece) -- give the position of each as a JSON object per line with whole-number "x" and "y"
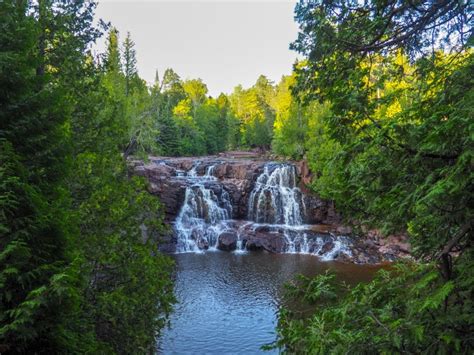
{"x": 236, "y": 175}
{"x": 321, "y": 228}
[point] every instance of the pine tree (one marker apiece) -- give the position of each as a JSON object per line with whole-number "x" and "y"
{"x": 112, "y": 56}
{"x": 130, "y": 63}
{"x": 34, "y": 274}
{"x": 69, "y": 241}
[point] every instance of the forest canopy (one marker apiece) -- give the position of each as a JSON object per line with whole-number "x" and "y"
{"x": 76, "y": 273}
{"x": 390, "y": 140}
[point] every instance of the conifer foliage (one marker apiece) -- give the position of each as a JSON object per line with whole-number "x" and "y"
{"x": 381, "y": 107}
{"x": 77, "y": 275}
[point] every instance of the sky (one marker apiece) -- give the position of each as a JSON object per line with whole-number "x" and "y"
{"x": 223, "y": 42}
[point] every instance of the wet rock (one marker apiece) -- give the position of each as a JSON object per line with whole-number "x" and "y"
{"x": 272, "y": 242}
{"x": 263, "y": 229}
{"x": 319, "y": 211}
{"x": 253, "y": 244}
{"x": 344, "y": 230}
{"x": 167, "y": 241}
{"x": 202, "y": 243}
{"x": 171, "y": 194}
{"x": 227, "y": 241}
{"x": 326, "y": 248}
{"x": 342, "y": 257}
{"x": 304, "y": 173}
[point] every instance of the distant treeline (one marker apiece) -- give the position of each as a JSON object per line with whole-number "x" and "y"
{"x": 177, "y": 117}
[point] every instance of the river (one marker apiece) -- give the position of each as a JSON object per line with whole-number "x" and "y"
{"x": 227, "y": 302}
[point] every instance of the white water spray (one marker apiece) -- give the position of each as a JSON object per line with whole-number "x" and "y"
{"x": 204, "y": 213}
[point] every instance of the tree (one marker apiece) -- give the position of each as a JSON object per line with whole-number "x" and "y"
{"x": 390, "y": 143}
{"x": 226, "y": 125}
{"x": 167, "y": 136}
{"x": 35, "y": 276}
{"x": 290, "y": 129}
{"x": 112, "y": 55}
{"x": 130, "y": 63}
{"x": 196, "y": 91}
{"x": 72, "y": 254}
{"x": 376, "y": 26}
{"x": 253, "y": 107}
{"x": 171, "y": 83}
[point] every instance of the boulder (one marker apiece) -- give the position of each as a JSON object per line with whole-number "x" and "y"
{"x": 326, "y": 248}
{"x": 227, "y": 241}
{"x": 269, "y": 241}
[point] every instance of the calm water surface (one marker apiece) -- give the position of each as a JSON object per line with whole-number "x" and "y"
{"x": 228, "y": 302}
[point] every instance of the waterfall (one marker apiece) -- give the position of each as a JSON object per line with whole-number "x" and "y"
{"x": 210, "y": 173}
{"x": 204, "y": 213}
{"x": 277, "y": 202}
{"x": 275, "y": 198}
{"x": 275, "y": 216}
{"x": 192, "y": 173}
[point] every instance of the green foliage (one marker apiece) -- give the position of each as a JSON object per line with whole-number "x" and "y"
{"x": 112, "y": 56}
{"x": 130, "y": 64}
{"x": 253, "y": 108}
{"x": 80, "y": 271}
{"x": 427, "y": 317}
{"x": 129, "y": 291}
{"x": 382, "y": 114}
{"x": 32, "y": 240}
{"x": 30, "y": 259}
{"x": 390, "y": 140}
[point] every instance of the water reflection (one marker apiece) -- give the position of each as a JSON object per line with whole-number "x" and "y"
{"x": 228, "y": 302}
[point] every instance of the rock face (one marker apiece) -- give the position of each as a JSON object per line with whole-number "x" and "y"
{"x": 236, "y": 176}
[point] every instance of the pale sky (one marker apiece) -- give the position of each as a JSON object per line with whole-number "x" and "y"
{"x": 223, "y": 42}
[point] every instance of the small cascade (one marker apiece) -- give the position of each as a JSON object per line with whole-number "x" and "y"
{"x": 241, "y": 231}
{"x": 209, "y": 175}
{"x": 192, "y": 173}
{"x": 204, "y": 213}
{"x": 275, "y": 198}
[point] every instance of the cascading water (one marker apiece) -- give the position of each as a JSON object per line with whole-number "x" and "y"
{"x": 275, "y": 206}
{"x": 275, "y": 198}
{"x": 203, "y": 215}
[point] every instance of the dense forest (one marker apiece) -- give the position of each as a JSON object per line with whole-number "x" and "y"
{"x": 76, "y": 273}
{"x": 390, "y": 139}
{"x": 381, "y": 107}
